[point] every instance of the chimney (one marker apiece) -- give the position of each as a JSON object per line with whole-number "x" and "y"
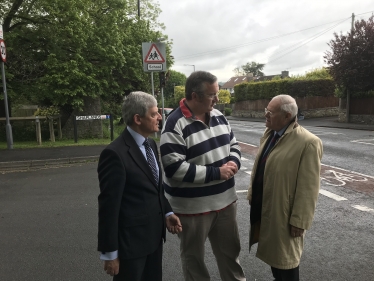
{"x": 285, "y": 74}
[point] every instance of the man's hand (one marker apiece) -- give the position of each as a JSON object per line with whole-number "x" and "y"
{"x": 233, "y": 164}
{"x": 173, "y": 224}
{"x": 227, "y": 171}
{"x": 112, "y": 267}
{"x": 296, "y": 232}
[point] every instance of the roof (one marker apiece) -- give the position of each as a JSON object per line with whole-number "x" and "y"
{"x": 236, "y": 80}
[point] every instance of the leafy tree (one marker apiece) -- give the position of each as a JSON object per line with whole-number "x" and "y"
{"x": 224, "y": 96}
{"x": 175, "y": 78}
{"x": 351, "y": 57}
{"x": 250, "y": 67}
{"x": 63, "y": 52}
{"x": 179, "y": 94}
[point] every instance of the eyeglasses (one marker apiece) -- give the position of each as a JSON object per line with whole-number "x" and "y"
{"x": 212, "y": 96}
{"x": 268, "y": 111}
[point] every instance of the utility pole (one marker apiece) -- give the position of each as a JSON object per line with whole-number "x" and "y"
{"x": 8, "y": 126}
{"x": 139, "y": 9}
{"x": 348, "y": 92}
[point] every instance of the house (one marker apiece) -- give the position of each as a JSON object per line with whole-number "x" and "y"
{"x": 230, "y": 84}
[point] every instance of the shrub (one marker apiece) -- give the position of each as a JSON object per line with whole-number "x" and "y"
{"x": 228, "y": 111}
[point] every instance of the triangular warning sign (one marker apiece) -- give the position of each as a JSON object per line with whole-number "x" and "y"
{"x": 154, "y": 55}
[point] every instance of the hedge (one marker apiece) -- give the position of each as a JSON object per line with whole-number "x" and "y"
{"x": 293, "y": 87}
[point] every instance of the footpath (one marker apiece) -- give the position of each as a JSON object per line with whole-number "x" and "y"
{"x": 33, "y": 158}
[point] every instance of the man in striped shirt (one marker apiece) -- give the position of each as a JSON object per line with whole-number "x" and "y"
{"x": 200, "y": 156}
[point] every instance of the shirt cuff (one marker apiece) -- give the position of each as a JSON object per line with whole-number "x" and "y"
{"x": 109, "y": 256}
{"x": 169, "y": 214}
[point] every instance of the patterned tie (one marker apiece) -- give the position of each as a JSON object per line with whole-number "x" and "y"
{"x": 151, "y": 160}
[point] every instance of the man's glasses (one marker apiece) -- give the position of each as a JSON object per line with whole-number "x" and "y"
{"x": 212, "y": 96}
{"x": 268, "y": 111}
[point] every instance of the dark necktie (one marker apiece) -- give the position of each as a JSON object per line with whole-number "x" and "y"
{"x": 151, "y": 160}
{"x": 273, "y": 141}
{"x": 257, "y": 187}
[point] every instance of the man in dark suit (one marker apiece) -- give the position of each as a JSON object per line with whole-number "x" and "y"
{"x": 133, "y": 210}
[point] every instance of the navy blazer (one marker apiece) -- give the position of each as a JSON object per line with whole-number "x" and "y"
{"x": 132, "y": 206}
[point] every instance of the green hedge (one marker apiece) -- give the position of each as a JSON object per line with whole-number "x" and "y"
{"x": 343, "y": 94}
{"x": 292, "y": 87}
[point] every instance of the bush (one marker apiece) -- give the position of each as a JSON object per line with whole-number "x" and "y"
{"x": 294, "y": 87}
{"x": 228, "y": 111}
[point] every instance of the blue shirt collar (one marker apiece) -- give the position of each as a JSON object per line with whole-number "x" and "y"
{"x": 139, "y": 139}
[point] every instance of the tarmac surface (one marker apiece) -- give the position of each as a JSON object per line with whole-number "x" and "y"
{"x": 21, "y": 159}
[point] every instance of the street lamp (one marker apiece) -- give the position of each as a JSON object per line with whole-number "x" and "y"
{"x": 191, "y": 65}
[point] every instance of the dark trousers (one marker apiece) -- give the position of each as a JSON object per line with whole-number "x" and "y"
{"x": 285, "y": 274}
{"x": 141, "y": 269}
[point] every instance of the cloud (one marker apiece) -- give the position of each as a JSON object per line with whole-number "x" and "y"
{"x": 218, "y": 35}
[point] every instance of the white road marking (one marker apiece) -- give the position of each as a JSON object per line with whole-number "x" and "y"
{"x": 247, "y": 144}
{"x": 244, "y": 159}
{"x": 364, "y": 141}
{"x": 353, "y": 172}
{"x": 332, "y": 195}
{"x": 362, "y": 208}
{"x": 248, "y": 172}
{"x": 243, "y": 168}
{"x": 241, "y": 191}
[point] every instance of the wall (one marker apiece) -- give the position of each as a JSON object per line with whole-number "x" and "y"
{"x": 361, "y": 110}
{"x": 310, "y": 106}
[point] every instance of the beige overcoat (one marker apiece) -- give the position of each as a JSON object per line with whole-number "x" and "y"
{"x": 290, "y": 192}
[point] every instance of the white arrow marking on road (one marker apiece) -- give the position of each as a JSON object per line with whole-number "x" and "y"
{"x": 332, "y": 195}
{"x": 362, "y": 208}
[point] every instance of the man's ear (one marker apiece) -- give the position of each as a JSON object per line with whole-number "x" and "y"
{"x": 137, "y": 119}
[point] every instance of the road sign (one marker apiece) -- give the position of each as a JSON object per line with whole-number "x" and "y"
{"x": 154, "y": 57}
{"x": 2, "y": 50}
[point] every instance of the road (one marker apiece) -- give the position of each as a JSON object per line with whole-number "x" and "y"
{"x": 48, "y": 218}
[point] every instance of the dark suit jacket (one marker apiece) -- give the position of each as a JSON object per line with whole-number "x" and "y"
{"x": 132, "y": 206}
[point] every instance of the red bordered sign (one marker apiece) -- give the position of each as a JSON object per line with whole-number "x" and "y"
{"x": 2, "y": 50}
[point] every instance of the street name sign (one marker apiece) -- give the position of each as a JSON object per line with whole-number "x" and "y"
{"x": 92, "y": 117}
{"x": 154, "y": 55}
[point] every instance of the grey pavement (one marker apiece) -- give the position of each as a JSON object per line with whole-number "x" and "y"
{"x": 21, "y": 159}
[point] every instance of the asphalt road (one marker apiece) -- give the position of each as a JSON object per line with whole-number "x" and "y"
{"x": 48, "y": 221}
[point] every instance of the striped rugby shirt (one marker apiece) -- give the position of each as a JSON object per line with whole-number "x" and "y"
{"x": 191, "y": 154}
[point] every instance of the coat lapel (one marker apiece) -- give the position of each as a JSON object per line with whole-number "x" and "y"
{"x": 138, "y": 157}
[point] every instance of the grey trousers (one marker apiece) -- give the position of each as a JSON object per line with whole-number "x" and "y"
{"x": 222, "y": 230}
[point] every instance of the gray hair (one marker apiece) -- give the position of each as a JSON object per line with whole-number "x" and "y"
{"x": 196, "y": 83}
{"x": 136, "y": 103}
{"x": 287, "y": 104}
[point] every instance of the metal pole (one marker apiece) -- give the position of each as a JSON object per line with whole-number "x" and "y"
{"x": 163, "y": 110}
{"x": 153, "y": 93}
{"x": 348, "y": 91}
{"x": 75, "y": 129}
{"x": 8, "y": 127}
{"x": 111, "y": 127}
{"x": 139, "y": 9}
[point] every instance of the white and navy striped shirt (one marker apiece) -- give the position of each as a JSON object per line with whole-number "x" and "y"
{"x": 192, "y": 153}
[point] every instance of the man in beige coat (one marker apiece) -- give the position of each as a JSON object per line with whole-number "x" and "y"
{"x": 284, "y": 188}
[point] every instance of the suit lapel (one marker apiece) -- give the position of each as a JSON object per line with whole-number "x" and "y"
{"x": 138, "y": 157}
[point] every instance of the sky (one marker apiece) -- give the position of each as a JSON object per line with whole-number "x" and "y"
{"x": 220, "y": 35}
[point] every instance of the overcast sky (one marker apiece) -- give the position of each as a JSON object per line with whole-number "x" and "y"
{"x": 219, "y": 35}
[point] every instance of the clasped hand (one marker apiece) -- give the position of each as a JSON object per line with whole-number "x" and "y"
{"x": 228, "y": 170}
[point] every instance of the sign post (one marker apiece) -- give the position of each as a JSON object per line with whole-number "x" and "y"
{"x": 8, "y": 127}
{"x": 154, "y": 60}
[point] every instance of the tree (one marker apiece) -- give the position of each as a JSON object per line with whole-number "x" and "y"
{"x": 351, "y": 57}
{"x": 175, "y": 79}
{"x": 179, "y": 94}
{"x": 224, "y": 96}
{"x": 63, "y": 52}
{"x": 250, "y": 67}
